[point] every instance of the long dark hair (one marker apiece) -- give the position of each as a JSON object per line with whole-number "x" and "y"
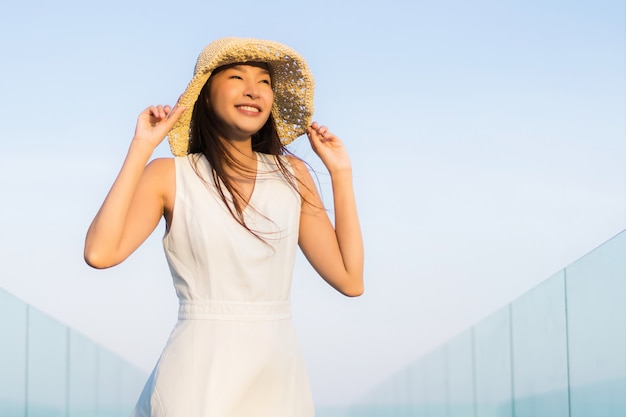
{"x": 206, "y": 137}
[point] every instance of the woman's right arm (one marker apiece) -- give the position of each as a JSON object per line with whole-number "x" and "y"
{"x": 139, "y": 196}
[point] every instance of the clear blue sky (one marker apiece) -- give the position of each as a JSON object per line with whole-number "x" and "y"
{"x": 488, "y": 141}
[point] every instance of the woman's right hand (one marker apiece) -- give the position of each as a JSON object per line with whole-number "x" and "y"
{"x": 139, "y": 196}
{"x": 154, "y": 122}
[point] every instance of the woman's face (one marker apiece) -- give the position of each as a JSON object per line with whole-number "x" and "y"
{"x": 241, "y": 97}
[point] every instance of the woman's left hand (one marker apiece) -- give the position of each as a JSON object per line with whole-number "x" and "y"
{"x": 329, "y": 148}
{"x": 334, "y": 250}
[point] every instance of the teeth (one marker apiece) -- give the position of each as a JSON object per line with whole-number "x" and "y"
{"x": 249, "y": 108}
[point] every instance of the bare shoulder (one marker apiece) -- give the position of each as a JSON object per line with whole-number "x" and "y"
{"x": 308, "y": 191}
{"x": 299, "y": 166}
{"x": 161, "y": 166}
{"x": 160, "y": 170}
{"x": 160, "y": 175}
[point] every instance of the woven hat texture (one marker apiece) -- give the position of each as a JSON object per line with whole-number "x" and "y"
{"x": 292, "y": 83}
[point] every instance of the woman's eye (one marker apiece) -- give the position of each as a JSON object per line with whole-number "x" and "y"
{"x": 236, "y": 77}
{"x": 268, "y": 82}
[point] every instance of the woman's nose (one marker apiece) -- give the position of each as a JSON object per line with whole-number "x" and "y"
{"x": 251, "y": 90}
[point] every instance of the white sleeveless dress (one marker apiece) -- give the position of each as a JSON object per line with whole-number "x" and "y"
{"x": 233, "y": 352}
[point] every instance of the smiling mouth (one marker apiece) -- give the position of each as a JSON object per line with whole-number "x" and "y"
{"x": 249, "y": 108}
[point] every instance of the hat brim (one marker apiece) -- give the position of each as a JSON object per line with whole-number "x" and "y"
{"x": 292, "y": 83}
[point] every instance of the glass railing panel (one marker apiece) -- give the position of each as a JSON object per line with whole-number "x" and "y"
{"x": 13, "y": 328}
{"x": 109, "y": 374}
{"x": 596, "y": 311}
{"x": 47, "y": 366}
{"x": 375, "y": 400}
{"x": 354, "y": 410}
{"x": 402, "y": 389}
{"x": 558, "y": 350}
{"x": 334, "y": 411}
{"x": 460, "y": 375}
{"x": 83, "y": 354}
{"x": 417, "y": 376}
{"x": 492, "y": 350}
{"x": 539, "y": 337}
{"x": 132, "y": 382}
{"x": 47, "y": 369}
{"x": 436, "y": 395}
{"x": 385, "y": 402}
{"x": 371, "y": 403}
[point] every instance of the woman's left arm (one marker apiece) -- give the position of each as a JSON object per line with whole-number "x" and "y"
{"x": 336, "y": 253}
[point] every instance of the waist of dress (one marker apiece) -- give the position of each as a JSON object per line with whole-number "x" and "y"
{"x": 234, "y": 310}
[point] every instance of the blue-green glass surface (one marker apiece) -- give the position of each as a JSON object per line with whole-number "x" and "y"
{"x": 436, "y": 390}
{"x": 109, "y": 394}
{"x": 131, "y": 384}
{"x": 83, "y": 376}
{"x": 492, "y": 355}
{"x": 374, "y": 400}
{"x": 418, "y": 388}
{"x": 539, "y": 331}
{"x": 401, "y": 393}
{"x": 380, "y": 400}
{"x": 354, "y": 410}
{"x": 385, "y": 398}
{"x": 596, "y": 312}
{"x": 48, "y": 370}
{"x": 557, "y": 351}
{"x": 390, "y": 403}
{"x": 460, "y": 375}
{"x": 47, "y": 366}
{"x": 12, "y": 356}
{"x": 334, "y": 411}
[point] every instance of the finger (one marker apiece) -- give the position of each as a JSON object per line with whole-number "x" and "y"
{"x": 174, "y": 115}
{"x": 325, "y": 134}
{"x": 313, "y": 137}
{"x": 317, "y": 129}
{"x": 328, "y": 137}
{"x": 152, "y": 110}
{"x": 317, "y": 142}
{"x": 178, "y": 107}
{"x": 313, "y": 134}
{"x": 162, "y": 113}
{"x": 152, "y": 114}
{"x": 156, "y": 110}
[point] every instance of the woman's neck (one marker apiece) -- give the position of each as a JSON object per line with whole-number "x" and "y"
{"x": 244, "y": 158}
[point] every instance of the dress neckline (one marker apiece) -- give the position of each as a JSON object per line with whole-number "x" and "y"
{"x": 255, "y": 183}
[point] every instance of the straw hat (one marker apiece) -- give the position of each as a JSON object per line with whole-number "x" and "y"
{"x": 292, "y": 83}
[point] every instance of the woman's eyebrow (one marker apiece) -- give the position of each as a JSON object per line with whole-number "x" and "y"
{"x": 241, "y": 68}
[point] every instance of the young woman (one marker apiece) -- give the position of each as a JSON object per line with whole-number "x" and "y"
{"x": 236, "y": 205}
